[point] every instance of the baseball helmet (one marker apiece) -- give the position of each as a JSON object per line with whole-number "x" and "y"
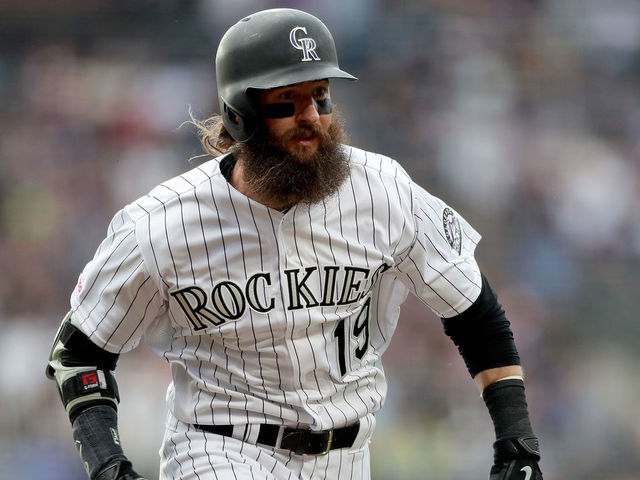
{"x": 269, "y": 49}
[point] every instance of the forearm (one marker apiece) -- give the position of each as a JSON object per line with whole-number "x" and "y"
{"x": 485, "y": 341}
{"x": 89, "y": 392}
{"x": 95, "y": 432}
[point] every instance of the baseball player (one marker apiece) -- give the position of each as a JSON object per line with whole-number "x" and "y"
{"x": 270, "y": 279}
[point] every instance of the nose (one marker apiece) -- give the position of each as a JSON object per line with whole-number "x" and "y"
{"x": 307, "y": 112}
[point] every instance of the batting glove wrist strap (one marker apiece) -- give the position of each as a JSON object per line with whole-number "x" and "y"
{"x": 516, "y": 458}
{"x": 506, "y": 449}
{"x": 118, "y": 471}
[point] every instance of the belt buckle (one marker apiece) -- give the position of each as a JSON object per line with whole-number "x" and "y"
{"x": 326, "y": 450}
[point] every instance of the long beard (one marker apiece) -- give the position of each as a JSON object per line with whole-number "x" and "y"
{"x": 285, "y": 177}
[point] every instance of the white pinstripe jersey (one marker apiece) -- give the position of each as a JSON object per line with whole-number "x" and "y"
{"x": 271, "y": 317}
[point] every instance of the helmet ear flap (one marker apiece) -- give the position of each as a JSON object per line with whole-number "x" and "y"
{"x": 240, "y": 126}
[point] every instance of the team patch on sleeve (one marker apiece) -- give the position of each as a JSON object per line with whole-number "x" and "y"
{"x": 452, "y": 229}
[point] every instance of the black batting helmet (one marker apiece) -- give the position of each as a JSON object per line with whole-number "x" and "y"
{"x": 269, "y": 49}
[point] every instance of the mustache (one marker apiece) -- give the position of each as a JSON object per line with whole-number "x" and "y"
{"x": 299, "y": 133}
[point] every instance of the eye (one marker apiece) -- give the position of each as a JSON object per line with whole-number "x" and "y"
{"x": 286, "y": 95}
{"x": 320, "y": 93}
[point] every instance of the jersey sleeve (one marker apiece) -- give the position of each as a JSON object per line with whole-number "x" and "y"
{"x": 439, "y": 267}
{"x": 116, "y": 298}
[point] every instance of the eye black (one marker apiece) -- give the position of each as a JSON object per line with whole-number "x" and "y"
{"x": 279, "y": 110}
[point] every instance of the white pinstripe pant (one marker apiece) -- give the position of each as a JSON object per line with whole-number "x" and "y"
{"x": 188, "y": 453}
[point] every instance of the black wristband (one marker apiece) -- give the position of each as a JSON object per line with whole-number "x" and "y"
{"x": 507, "y": 406}
{"x": 95, "y": 432}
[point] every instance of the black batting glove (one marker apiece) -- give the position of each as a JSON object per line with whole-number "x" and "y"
{"x": 516, "y": 458}
{"x": 121, "y": 470}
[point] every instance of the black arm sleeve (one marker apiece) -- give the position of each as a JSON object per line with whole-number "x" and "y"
{"x": 483, "y": 334}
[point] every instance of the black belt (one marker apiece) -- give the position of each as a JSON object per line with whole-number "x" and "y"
{"x": 298, "y": 440}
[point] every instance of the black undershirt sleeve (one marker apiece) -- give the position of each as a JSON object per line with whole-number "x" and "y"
{"x": 483, "y": 334}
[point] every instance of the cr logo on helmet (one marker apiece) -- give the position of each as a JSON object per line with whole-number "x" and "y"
{"x": 306, "y": 44}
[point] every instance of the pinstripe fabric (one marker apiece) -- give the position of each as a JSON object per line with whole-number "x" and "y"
{"x": 191, "y": 454}
{"x": 267, "y": 316}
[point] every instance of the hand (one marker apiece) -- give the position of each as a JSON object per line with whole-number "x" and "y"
{"x": 119, "y": 471}
{"x": 522, "y": 469}
{"x": 516, "y": 458}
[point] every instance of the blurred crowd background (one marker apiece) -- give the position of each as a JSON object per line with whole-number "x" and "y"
{"x": 522, "y": 114}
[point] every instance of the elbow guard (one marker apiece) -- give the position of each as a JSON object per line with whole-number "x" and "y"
{"x": 82, "y": 370}
{"x": 483, "y": 334}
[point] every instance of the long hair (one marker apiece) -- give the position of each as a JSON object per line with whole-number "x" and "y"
{"x": 214, "y": 137}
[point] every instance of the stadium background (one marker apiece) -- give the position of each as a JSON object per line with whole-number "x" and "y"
{"x": 524, "y": 115}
